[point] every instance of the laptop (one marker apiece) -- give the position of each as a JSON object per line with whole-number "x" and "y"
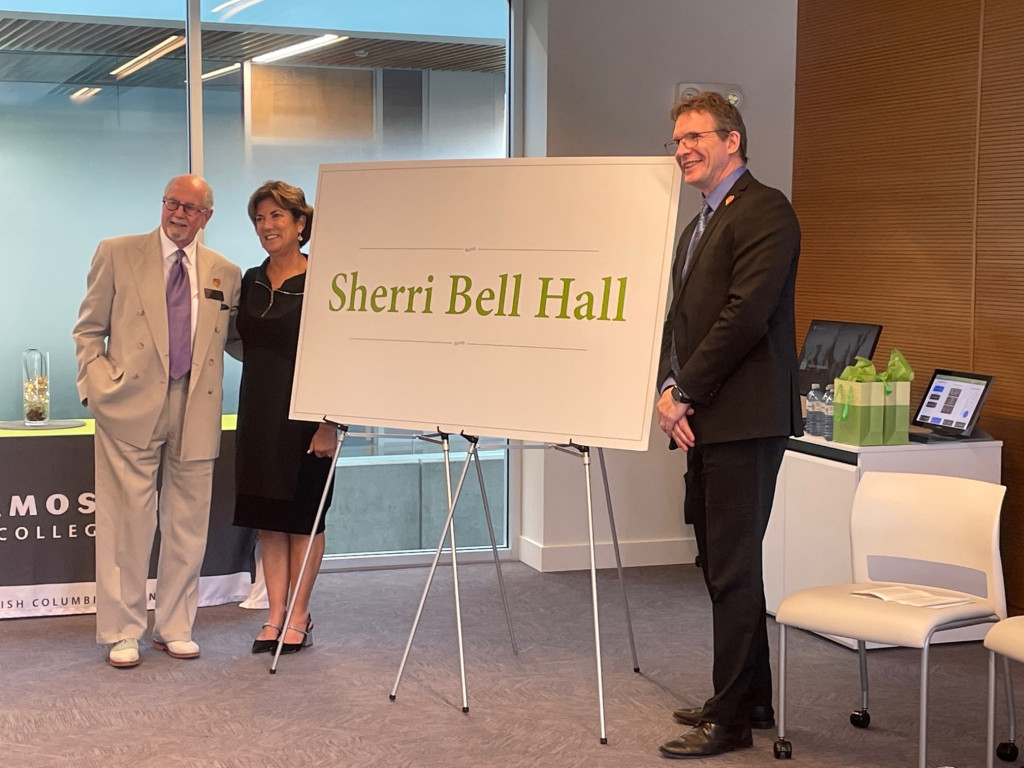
{"x": 951, "y": 406}
{"x": 830, "y": 346}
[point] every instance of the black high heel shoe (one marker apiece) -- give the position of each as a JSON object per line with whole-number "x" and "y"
{"x": 307, "y": 638}
{"x": 266, "y": 646}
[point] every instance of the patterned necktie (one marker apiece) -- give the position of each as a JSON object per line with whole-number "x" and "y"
{"x": 179, "y": 318}
{"x": 702, "y": 222}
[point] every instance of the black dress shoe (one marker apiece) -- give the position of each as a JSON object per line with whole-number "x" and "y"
{"x": 266, "y": 646}
{"x": 708, "y": 740}
{"x": 761, "y": 718}
{"x": 307, "y": 638}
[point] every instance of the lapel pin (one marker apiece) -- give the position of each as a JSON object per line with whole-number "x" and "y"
{"x": 729, "y": 199}
{"x": 216, "y": 282}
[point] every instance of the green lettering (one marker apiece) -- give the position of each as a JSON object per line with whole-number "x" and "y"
{"x": 360, "y": 291}
{"x": 339, "y": 292}
{"x": 619, "y": 315}
{"x": 413, "y": 290}
{"x": 585, "y": 309}
{"x": 395, "y": 290}
{"x": 462, "y": 294}
{"x": 486, "y": 295}
{"x": 564, "y": 297}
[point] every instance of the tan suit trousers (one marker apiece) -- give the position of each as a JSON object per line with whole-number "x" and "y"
{"x": 126, "y": 520}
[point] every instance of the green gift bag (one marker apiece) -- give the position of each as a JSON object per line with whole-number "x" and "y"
{"x": 858, "y": 413}
{"x": 896, "y": 418}
{"x": 896, "y": 414}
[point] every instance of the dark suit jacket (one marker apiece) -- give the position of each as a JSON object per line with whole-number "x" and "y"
{"x": 732, "y": 318}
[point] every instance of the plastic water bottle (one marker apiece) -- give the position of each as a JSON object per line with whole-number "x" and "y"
{"x": 812, "y": 426}
{"x": 827, "y": 409}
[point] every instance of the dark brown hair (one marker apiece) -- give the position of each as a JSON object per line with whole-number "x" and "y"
{"x": 288, "y": 197}
{"x": 727, "y": 118}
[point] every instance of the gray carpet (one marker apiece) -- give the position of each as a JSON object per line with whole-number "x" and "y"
{"x": 62, "y": 705}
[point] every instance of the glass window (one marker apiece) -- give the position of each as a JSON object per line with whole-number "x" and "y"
{"x": 88, "y": 152}
{"x": 90, "y": 148}
{"x": 403, "y": 80}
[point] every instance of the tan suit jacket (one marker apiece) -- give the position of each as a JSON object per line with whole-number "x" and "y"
{"x": 122, "y": 344}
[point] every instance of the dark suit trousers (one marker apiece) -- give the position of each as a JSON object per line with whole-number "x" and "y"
{"x": 729, "y": 492}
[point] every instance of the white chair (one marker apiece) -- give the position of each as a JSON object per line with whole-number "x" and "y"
{"x": 938, "y": 534}
{"x": 1005, "y": 639}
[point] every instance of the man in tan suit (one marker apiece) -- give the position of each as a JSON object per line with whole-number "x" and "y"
{"x": 150, "y": 339}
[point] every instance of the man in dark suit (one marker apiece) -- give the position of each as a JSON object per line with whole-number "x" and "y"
{"x": 730, "y": 401}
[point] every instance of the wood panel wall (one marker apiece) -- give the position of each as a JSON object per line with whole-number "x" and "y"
{"x": 908, "y": 180}
{"x": 311, "y": 103}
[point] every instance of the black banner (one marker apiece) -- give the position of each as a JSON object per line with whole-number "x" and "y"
{"x": 47, "y": 513}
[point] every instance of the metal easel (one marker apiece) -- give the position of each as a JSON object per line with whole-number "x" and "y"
{"x": 584, "y": 452}
{"x": 448, "y": 532}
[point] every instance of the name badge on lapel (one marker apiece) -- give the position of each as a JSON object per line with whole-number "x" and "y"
{"x": 216, "y": 295}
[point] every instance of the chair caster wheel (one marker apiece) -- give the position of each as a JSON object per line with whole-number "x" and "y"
{"x": 783, "y": 749}
{"x": 861, "y": 718}
{"x": 1007, "y": 751}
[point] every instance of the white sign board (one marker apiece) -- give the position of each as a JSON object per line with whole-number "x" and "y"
{"x": 516, "y": 298}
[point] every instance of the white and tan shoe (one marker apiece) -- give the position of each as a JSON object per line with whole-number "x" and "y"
{"x": 124, "y": 653}
{"x": 178, "y": 649}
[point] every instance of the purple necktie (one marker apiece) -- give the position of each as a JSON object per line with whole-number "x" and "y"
{"x": 179, "y": 317}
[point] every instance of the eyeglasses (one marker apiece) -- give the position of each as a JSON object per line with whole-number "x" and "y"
{"x": 190, "y": 210}
{"x": 689, "y": 140}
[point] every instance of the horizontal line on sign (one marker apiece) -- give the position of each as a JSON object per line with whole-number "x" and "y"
{"x": 400, "y": 341}
{"x": 466, "y": 343}
{"x": 476, "y": 249}
{"x": 524, "y": 346}
{"x": 544, "y": 250}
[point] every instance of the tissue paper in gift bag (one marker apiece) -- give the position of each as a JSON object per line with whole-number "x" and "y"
{"x": 896, "y": 421}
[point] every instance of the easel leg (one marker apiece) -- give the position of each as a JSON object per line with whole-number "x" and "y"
{"x": 342, "y": 431}
{"x": 448, "y": 528}
{"x": 494, "y": 551}
{"x": 593, "y": 592}
{"x": 455, "y": 559}
{"x": 618, "y": 557}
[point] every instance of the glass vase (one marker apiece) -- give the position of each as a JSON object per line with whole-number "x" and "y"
{"x": 36, "y": 375}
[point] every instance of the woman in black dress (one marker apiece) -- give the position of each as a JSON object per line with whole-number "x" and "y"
{"x": 281, "y": 465}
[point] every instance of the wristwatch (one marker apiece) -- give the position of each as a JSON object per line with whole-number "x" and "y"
{"x": 679, "y": 396}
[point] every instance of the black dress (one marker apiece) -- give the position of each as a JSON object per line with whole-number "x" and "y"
{"x": 277, "y": 483}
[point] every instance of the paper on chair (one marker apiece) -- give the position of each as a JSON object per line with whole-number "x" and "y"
{"x": 910, "y": 596}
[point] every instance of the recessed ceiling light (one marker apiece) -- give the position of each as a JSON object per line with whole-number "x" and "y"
{"x": 83, "y": 94}
{"x": 213, "y": 75}
{"x": 172, "y": 43}
{"x": 294, "y": 50}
